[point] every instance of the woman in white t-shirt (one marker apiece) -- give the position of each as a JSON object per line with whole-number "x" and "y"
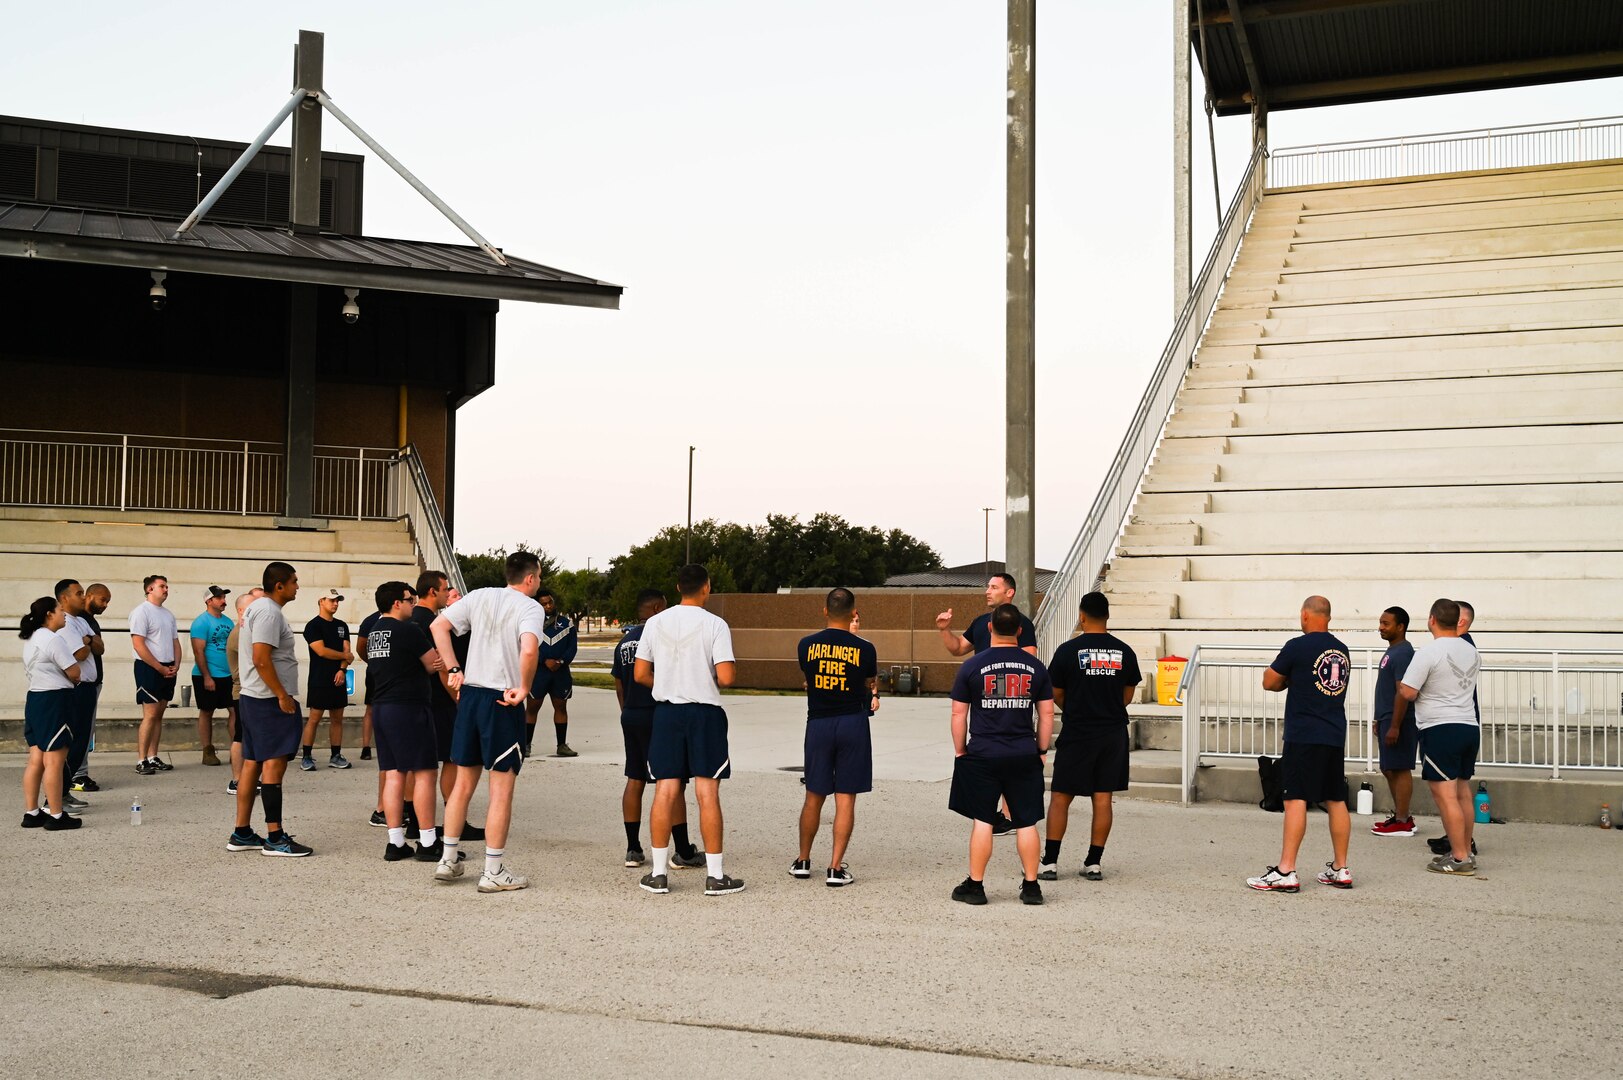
{"x": 52, "y": 673}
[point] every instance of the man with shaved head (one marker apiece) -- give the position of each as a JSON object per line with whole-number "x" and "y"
{"x": 1313, "y": 670}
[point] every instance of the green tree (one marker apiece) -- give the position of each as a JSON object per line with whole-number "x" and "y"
{"x": 489, "y": 569}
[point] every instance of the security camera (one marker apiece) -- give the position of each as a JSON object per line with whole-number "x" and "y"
{"x": 352, "y": 310}
{"x": 158, "y": 294}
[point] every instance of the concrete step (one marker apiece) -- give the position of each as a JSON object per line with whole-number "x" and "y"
{"x": 1173, "y": 573}
{"x": 1364, "y": 322}
{"x": 1378, "y": 308}
{"x": 1461, "y": 246}
{"x": 1485, "y": 499}
{"x": 1532, "y": 182}
{"x": 1407, "y": 521}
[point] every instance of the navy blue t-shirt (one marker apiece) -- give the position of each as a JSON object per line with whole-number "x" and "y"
{"x": 837, "y": 665}
{"x": 1094, "y": 670}
{"x": 1002, "y": 687}
{"x": 1475, "y": 704}
{"x": 1318, "y": 668}
{"x": 625, "y": 667}
{"x": 980, "y": 633}
{"x": 1394, "y": 662}
{"x": 95, "y": 628}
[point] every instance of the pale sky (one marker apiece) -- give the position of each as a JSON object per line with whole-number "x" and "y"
{"x": 804, "y": 203}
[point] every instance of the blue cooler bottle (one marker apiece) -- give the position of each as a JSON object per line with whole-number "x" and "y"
{"x": 1481, "y": 801}
{"x": 349, "y": 690}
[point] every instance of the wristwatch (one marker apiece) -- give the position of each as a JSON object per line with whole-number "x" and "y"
{"x": 453, "y": 671}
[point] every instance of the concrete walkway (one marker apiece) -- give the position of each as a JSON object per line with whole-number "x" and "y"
{"x": 154, "y": 952}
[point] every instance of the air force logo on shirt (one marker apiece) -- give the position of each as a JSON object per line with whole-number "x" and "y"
{"x": 1099, "y": 661}
{"x": 1331, "y": 671}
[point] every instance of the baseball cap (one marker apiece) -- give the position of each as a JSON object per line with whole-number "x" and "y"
{"x": 215, "y": 592}
{"x": 333, "y": 594}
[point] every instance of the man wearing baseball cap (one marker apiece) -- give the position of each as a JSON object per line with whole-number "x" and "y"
{"x": 211, "y": 670}
{"x": 330, "y": 656}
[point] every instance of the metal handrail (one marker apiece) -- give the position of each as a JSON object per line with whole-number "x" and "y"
{"x": 417, "y": 504}
{"x": 1108, "y": 515}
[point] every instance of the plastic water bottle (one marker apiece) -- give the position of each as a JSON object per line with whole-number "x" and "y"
{"x": 135, "y": 811}
{"x": 1482, "y": 804}
{"x": 349, "y": 681}
{"x": 1605, "y": 816}
{"x": 1366, "y": 799}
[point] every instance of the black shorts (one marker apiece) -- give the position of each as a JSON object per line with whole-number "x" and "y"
{"x": 267, "y": 732}
{"x": 637, "y": 726}
{"x": 1399, "y": 758}
{"x": 1448, "y": 751}
{"x": 444, "y": 713}
{"x": 1313, "y": 773}
{"x": 208, "y": 700}
{"x": 48, "y": 719}
{"x": 405, "y": 737}
{"x": 560, "y": 684}
{"x": 1091, "y": 760}
{"x": 688, "y": 740}
{"x": 979, "y": 782}
{"x": 152, "y": 688}
{"x": 839, "y": 755}
{"x": 326, "y": 696}
{"x": 487, "y": 732}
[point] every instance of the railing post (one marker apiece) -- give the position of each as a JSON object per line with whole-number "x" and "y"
{"x": 123, "y": 471}
{"x": 360, "y": 481}
{"x": 245, "y": 478}
{"x": 1559, "y": 705}
{"x": 1369, "y": 670}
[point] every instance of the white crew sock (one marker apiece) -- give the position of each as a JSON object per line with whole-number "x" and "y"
{"x": 662, "y": 860}
{"x": 426, "y": 837}
{"x": 397, "y": 837}
{"x": 448, "y": 855}
{"x": 713, "y": 865}
{"x": 57, "y": 816}
{"x": 34, "y": 811}
{"x": 493, "y": 860}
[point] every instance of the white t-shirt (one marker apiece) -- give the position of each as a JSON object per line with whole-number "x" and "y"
{"x": 264, "y": 623}
{"x": 157, "y": 625}
{"x": 495, "y": 619}
{"x": 685, "y": 643}
{"x": 46, "y": 659}
{"x": 74, "y": 632}
{"x": 1445, "y": 674}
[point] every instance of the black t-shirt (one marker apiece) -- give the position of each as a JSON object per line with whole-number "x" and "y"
{"x": 837, "y": 665}
{"x": 332, "y": 633}
{"x": 101, "y": 665}
{"x": 438, "y": 695}
{"x": 980, "y": 633}
{"x": 638, "y": 696}
{"x": 1093, "y": 670}
{"x": 1318, "y": 668}
{"x": 1394, "y": 662}
{"x": 1002, "y": 687}
{"x": 394, "y": 665}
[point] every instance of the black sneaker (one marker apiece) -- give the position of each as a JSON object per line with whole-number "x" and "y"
{"x": 1031, "y": 893}
{"x": 800, "y": 868}
{"x": 433, "y": 853}
{"x": 1440, "y": 846}
{"x": 970, "y": 891}
{"x": 1001, "y": 825}
{"x": 654, "y": 883}
{"x": 377, "y": 820}
{"x": 393, "y": 853}
{"x": 723, "y": 885}
{"x": 472, "y": 832}
{"x": 145, "y": 768}
{"x": 366, "y": 753}
{"x": 691, "y": 861}
{"x": 71, "y": 803}
{"x": 84, "y": 783}
{"x": 57, "y": 824}
{"x": 838, "y": 875}
{"x": 35, "y": 821}
{"x": 162, "y": 766}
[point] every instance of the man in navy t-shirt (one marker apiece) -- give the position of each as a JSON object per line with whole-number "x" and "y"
{"x": 1395, "y": 730}
{"x": 1314, "y": 671}
{"x": 1000, "y": 590}
{"x": 842, "y": 691}
{"x": 1002, "y": 723}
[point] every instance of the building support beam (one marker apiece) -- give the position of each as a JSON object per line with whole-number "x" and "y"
{"x": 1253, "y": 77}
{"x": 299, "y": 447}
{"x": 1182, "y": 150}
{"x": 1020, "y": 317}
{"x": 304, "y": 187}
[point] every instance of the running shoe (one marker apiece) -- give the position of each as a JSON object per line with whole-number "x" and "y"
{"x": 635, "y": 856}
{"x": 524, "y": 751}
{"x": 72, "y": 803}
{"x": 691, "y": 861}
{"x": 35, "y": 821}
{"x": 1393, "y": 827}
{"x": 503, "y": 880}
{"x": 1048, "y": 872}
{"x": 286, "y": 847}
{"x": 1031, "y": 893}
{"x": 307, "y": 764}
{"x": 800, "y": 868}
{"x": 448, "y": 872}
{"x": 1092, "y": 872}
{"x": 377, "y": 820}
{"x": 231, "y": 788}
{"x": 84, "y": 783}
{"x": 366, "y": 753}
{"x": 398, "y": 853}
{"x": 1340, "y": 878}
{"x": 209, "y": 756}
{"x": 1002, "y": 826}
{"x": 564, "y": 751}
{"x": 970, "y": 891}
{"x": 837, "y": 876}
{"x": 654, "y": 883}
{"x": 433, "y": 852}
{"x": 1442, "y": 864}
{"x": 1440, "y": 845}
{"x": 58, "y": 824}
{"x": 723, "y": 885}
{"x": 472, "y": 832}
{"x": 1273, "y": 881}
{"x": 162, "y": 766}
{"x": 338, "y": 761}
{"x": 249, "y": 841}
{"x": 144, "y": 768}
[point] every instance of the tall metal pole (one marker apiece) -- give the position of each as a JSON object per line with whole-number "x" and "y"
{"x": 690, "y": 505}
{"x": 1020, "y": 233}
{"x": 986, "y": 541}
{"x": 304, "y": 187}
{"x": 1182, "y": 138}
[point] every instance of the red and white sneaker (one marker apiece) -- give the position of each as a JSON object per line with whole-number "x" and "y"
{"x": 1273, "y": 881}
{"x": 1338, "y": 877}
{"x": 1393, "y": 827}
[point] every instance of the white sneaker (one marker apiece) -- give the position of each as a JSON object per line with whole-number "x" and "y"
{"x": 1048, "y": 872}
{"x": 1273, "y": 881}
{"x": 448, "y": 871}
{"x": 503, "y": 880}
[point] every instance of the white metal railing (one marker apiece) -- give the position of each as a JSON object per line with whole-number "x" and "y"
{"x": 1096, "y": 541}
{"x": 1540, "y": 709}
{"x": 412, "y": 498}
{"x": 1560, "y": 143}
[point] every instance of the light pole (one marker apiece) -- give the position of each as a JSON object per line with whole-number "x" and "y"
{"x": 986, "y": 541}
{"x": 588, "y": 594}
{"x": 689, "y": 557}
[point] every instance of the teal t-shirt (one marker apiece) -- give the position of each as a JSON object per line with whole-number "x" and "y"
{"x": 213, "y": 630}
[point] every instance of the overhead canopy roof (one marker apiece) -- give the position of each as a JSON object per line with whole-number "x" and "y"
{"x": 68, "y": 234}
{"x": 1296, "y": 54}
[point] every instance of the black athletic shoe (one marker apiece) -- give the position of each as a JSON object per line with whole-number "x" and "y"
{"x": 1002, "y": 826}
{"x": 654, "y": 883}
{"x": 72, "y": 803}
{"x": 377, "y": 820}
{"x": 800, "y": 868}
{"x": 690, "y": 861}
{"x": 970, "y": 891}
{"x": 723, "y": 885}
{"x": 1031, "y": 893}
{"x": 84, "y": 783}
{"x": 1440, "y": 846}
{"x": 145, "y": 768}
{"x": 366, "y": 753}
{"x": 391, "y": 853}
{"x": 162, "y": 766}
{"x": 57, "y": 824}
{"x": 35, "y": 821}
{"x": 838, "y": 876}
{"x": 473, "y": 832}
{"x": 432, "y": 853}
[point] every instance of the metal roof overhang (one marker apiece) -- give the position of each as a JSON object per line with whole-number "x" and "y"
{"x": 1297, "y": 54}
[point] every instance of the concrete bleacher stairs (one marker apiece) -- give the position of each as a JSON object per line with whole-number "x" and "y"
{"x": 1409, "y": 389}
{"x": 40, "y": 546}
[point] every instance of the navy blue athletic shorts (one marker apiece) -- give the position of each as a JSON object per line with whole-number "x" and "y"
{"x": 267, "y": 732}
{"x": 839, "y": 755}
{"x": 405, "y": 737}
{"x": 48, "y": 719}
{"x": 1091, "y": 760}
{"x": 688, "y": 740}
{"x": 637, "y": 726}
{"x": 1399, "y": 758}
{"x": 210, "y": 700}
{"x": 979, "y": 782}
{"x": 487, "y": 732}
{"x": 1313, "y": 773}
{"x": 152, "y": 688}
{"x": 444, "y": 725}
{"x": 560, "y": 684}
{"x": 1448, "y": 751}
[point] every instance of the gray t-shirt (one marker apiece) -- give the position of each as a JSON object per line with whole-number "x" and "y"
{"x": 157, "y": 625}
{"x": 495, "y": 620}
{"x": 75, "y": 630}
{"x": 265, "y": 624}
{"x": 685, "y": 643}
{"x": 1444, "y": 673}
